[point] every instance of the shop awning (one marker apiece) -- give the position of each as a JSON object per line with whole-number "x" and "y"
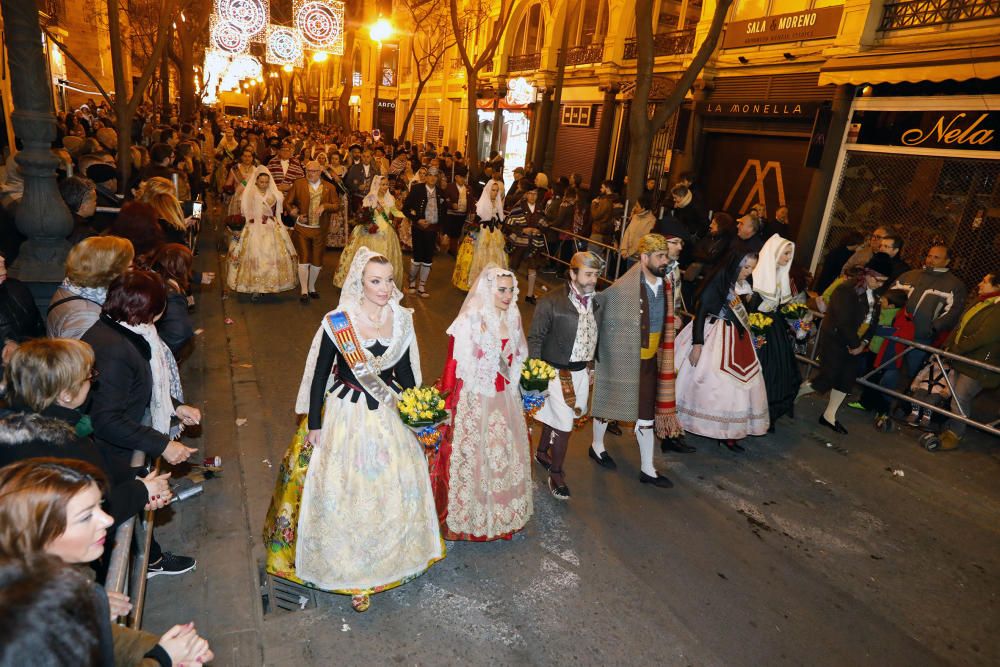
{"x": 960, "y": 64}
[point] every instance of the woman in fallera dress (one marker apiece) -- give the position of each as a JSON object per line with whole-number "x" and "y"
{"x": 773, "y": 289}
{"x": 375, "y": 229}
{"x": 720, "y": 389}
{"x": 482, "y": 475}
{"x": 353, "y": 512}
{"x": 264, "y": 259}
{"x": 490, "y": 244}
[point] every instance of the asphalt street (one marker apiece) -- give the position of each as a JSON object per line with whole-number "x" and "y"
{"x": 809, "y": 549}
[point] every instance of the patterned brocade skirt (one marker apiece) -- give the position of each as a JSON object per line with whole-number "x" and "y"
{"x": 356, "y": 514}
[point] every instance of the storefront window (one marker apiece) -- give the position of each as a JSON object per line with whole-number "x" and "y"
{"x": 929, "y": 199}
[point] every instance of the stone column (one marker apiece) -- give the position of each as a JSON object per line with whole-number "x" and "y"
{"x": 41, "y": 214}
{"x": 600, "y": 167}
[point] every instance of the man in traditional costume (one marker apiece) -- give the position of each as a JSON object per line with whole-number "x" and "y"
{"x": 312, "y": 201}
{"x": 564, "y": 334}
{"x": 425, "y": 206}
{"x": 635, "y": 353}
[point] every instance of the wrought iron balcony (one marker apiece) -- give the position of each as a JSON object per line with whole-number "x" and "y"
{"x": 676, "y": 43}
{"x": 584, "y": 55}
{"x": 920, "y": 13}
{"x": 523, "y": 62}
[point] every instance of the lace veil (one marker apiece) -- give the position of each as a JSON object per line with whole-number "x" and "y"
{"x": 252, "y": 202}
{"x": 485, "y": 208}
{"x": 372, "y": 199}
{"x": 403, "y": 335}
{"x": 477, "y": 335}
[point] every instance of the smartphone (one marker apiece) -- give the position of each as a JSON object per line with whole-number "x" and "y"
{"x": 196, "y": 210}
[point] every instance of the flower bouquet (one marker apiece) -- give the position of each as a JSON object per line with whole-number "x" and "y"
{"x": 535, "y": 378}
{"x": 759, "y": 322}
{"x": 422, "y": 410}
{"x": 799, "y": 318}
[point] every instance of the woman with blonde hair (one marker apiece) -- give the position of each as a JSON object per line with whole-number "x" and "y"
{"x": 90, "y": 267}
{"x": 52, "y": 508}
{"x": 159, "y": 193}
{"x": 48, "y": 380}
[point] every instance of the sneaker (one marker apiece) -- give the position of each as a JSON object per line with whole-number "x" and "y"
{"x": 171, "y": 564}
{"x": 857, "y": 405}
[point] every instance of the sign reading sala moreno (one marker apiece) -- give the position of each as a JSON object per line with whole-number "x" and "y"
{"x": 795, "y": 27}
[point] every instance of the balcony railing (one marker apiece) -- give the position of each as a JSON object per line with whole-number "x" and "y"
{"x": 676, "y": 43}
{"x": 585, "y": 55}
{"x": 524, "y": 62}
{"x": 920, "y": 13}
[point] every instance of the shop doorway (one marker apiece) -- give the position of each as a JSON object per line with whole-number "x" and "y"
{"x": 741, "y": 170}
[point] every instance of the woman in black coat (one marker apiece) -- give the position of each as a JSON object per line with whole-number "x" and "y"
{"x": 848, "y": 327}
{"x": 133, "y": 405}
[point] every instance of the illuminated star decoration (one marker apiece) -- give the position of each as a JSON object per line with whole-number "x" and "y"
{"x": 321, "y": 24}
{"x": 227, "y": 36}
{"x": 250, "y": 16}
{"x": 284, "y": 46}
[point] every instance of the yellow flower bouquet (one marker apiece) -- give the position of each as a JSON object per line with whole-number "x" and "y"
{"x": 535, "y": 377}
{"x": 422, "y": 411}
{"x": 759, "y": 322}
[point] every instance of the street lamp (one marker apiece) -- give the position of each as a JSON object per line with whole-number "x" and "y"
{"x": 379, "y": 31}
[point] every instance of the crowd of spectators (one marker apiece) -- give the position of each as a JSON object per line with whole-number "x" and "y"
{"x": 96, "y": 379}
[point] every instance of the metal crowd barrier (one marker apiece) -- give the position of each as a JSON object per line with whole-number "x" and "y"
{"x": 608, "y": 253}
{"x": 128, "y": 565}
{"x": 936, "y": 356}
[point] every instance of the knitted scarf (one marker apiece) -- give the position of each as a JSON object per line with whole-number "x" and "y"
{"x": 667, "y": 425}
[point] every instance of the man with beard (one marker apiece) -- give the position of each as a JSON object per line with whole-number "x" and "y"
{"x": 564, "y": 334}
{"x": 635, "y": 369}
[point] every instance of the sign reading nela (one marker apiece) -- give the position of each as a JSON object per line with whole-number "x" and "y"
{"x": 795, "y": 27}
{"x": 962, "y": 130}
{"x": 779, "y": 109}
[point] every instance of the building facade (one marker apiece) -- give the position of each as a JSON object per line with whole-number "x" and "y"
{"x": 769, "y": 119}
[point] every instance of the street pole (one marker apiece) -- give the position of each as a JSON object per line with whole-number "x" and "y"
{"x": 42, "y": 215}
{"x": 322, "y": 85}
{"x": 378, "y": 81}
